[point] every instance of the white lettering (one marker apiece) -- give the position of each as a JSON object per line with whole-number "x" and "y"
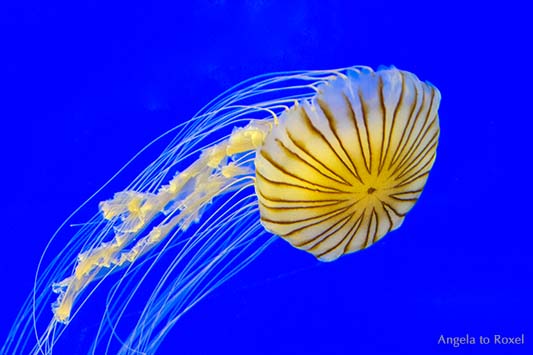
{"x": 503, "y": 340}
{"x": 456, "y": 341}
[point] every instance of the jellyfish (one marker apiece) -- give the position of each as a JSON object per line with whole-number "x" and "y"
{"x": 329, "y": 161}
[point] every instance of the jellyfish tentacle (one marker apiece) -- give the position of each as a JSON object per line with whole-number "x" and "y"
{"x": 181, "y": 199}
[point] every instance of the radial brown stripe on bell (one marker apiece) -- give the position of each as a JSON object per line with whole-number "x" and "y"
{"x": 342, "y": 169}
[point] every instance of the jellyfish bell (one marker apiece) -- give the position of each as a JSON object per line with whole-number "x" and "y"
{"x": 330, "y": 161}
{"x": 343, "y": 168}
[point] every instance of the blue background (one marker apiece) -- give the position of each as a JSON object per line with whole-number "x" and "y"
{"x": 85, "y": 86}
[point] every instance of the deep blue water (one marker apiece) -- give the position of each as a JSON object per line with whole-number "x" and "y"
{"x": 85, "y": 86}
